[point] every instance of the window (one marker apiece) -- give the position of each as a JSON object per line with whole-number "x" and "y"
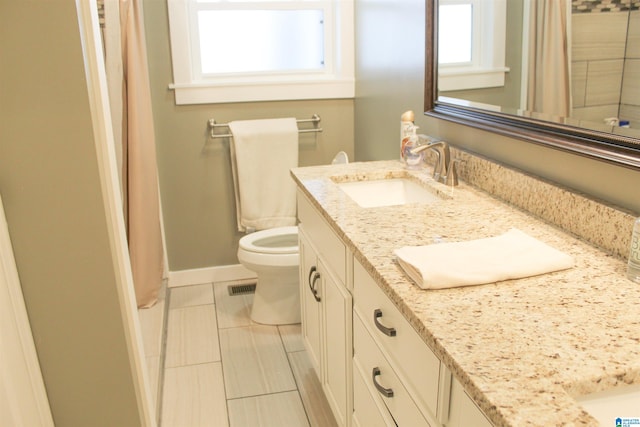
{"x": 455, "y": 38}
{"x": 244, "y": 50}
{"x": 471, "y": 44}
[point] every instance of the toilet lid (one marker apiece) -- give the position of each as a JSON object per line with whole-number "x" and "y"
{"x": 281, "y": 240}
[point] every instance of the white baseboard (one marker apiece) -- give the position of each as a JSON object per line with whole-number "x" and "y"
{"x": 224, "y": 273}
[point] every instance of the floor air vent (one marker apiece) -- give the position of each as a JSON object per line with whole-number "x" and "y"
{"x": 242, "y": 289}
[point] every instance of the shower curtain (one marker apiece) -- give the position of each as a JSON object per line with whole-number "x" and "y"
{"x": 130, "y": 99}
{"x": 549, "y": 89}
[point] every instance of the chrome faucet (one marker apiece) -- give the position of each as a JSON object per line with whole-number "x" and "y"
{"x": 444, "y": 170}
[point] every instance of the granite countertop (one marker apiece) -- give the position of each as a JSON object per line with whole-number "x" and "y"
{"x": 523, "y": 348}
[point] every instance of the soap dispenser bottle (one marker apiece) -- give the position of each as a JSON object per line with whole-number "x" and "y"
{"x": 406, "y": 130}
{"x": 633, "y": 266}
{"x": 412, "y": 160}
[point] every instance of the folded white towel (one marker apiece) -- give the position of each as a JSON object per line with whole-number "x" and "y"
{"x": 262, "y": 153}
{"x": 512, "y": 255}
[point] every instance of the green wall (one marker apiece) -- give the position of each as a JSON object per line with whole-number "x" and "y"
{"x": 389, "y": 74}
{"x": 50, "y": 185}
{"x": 195, "y": 171}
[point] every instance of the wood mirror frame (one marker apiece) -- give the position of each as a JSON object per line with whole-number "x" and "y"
{"x": 618, "y": 149}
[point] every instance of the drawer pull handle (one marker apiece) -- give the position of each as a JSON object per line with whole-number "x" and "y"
{"x": 391, "y": 332}
{"x": 311, "y": 271}
{"x": 312, "y": 285}
{"x": 386, "y": 392}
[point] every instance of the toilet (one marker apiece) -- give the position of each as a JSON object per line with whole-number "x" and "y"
{"x": 262, "y": 154}
{"x": 273, "y": 255}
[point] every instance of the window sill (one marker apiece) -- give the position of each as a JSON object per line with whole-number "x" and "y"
{"x": 207, "y": 93}
{"x": 471, "y": 79}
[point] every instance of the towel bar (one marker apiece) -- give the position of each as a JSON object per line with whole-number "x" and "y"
{"x": 315, "y": 119}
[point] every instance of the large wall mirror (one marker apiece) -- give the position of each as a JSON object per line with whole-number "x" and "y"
{"x": 562, "y": 73}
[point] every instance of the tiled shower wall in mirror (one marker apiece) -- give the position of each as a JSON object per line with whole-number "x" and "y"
{"x": 606, "y": 60}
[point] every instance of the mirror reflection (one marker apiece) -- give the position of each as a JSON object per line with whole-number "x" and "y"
{"x": 574, "y": 62}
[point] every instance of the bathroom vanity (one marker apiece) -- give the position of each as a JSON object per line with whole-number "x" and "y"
{"x": 512, "y": 353}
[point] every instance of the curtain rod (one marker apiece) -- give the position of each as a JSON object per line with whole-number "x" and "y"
{"x": 315, "y": 119}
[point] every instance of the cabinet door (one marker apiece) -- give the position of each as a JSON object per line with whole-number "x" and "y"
{"x": 310, "y": 291}
{"x": 462, "y": 411}
{"x": 337, "y": 302}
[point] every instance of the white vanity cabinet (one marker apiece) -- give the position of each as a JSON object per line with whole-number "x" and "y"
{"x": 374, "y": 368}
{"x": 326, "y": 306}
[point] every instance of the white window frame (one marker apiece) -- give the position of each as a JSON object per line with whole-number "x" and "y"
{"x": 335, "y": 81}
{"x": 487, "y": 67}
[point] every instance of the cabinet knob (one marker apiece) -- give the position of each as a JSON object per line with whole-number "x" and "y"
{"x": 386, "y": 392}
{"x": 390, "y": 332}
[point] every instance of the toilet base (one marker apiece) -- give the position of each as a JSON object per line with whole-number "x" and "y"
{"x": 277, "y": 297}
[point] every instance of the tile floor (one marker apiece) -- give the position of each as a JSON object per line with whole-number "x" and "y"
{"x": 221, "y": 369}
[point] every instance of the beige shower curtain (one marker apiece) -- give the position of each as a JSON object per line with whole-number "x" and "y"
{"x": 549, "y": 89}
{"x": 130, "y": 98}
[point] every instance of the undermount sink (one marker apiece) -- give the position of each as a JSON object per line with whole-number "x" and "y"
{"x": 388, "y": 192}
{"x": 609, "y": 405}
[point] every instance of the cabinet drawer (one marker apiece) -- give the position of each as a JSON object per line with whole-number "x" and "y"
{"x": 383, "y": 378}
{"x": 368, "y": 411}
{"x": 416, "y": 365}
{"x": 328, "y": 245}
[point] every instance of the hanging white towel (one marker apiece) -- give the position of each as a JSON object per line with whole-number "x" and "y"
{"x": 262, "y": 153}
{"x": 511, "y": 255}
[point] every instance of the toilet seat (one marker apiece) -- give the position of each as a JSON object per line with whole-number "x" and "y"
{"x": 274, "y": 241}
{"x": 268, "y": 249}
